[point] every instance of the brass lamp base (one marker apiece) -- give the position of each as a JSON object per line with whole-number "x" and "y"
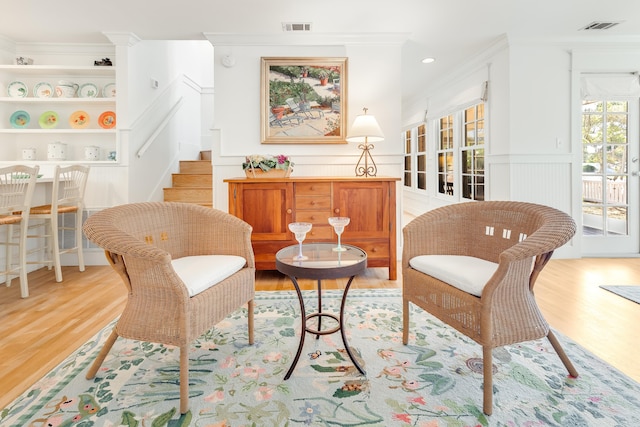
{"x": 366, "y": 169}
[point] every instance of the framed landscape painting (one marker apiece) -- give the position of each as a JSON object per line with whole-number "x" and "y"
{"x": 303, "y": 100}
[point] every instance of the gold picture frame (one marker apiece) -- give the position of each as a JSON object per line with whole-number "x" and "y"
{"x": 303, "y": 100}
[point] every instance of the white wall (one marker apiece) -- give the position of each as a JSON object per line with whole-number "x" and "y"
{"x": 169, "y": 115}
{"x": 374, "y": 79}
{"x": 534, "y": 148}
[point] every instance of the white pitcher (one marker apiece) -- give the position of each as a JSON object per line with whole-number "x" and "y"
{"x": 66, "y": 89}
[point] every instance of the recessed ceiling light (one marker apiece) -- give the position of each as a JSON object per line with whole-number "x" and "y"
{"x": 428, "y": 60}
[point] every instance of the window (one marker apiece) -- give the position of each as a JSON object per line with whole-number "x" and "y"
{"x": 407, "y": 158}
{"x": 461, "y": 153}
{"x": 415, "y": 157}
{"x": 445, "y": 156}
{"x": 473, "y": 153}
{"x": 421, "y": 158}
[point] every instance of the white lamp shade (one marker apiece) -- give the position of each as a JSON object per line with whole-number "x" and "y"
{"x": 365, "y": 128}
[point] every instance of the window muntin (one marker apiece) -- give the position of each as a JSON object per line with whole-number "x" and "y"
{"x": 408, "y": 169}
{"x": 472, "y": 153}
{"x": 445, "y": 155}
{"x": 421, "y": 157}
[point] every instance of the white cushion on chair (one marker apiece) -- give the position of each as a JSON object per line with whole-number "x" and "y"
{"x": 469, "y": 274}
{"x": 201, "y": 272}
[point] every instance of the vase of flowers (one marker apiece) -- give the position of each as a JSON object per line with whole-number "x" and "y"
{"x": 267, "y": 166}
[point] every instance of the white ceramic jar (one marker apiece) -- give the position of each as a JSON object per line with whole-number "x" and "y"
{"x": 91, "y": 153}
{"x": 57, "y": 151}
{"x": 29, "y": 154}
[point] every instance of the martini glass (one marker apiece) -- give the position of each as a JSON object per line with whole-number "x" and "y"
{"x": 300, "y": 229}
{"x": 338, "y": 223}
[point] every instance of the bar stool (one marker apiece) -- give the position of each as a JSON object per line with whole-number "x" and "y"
{"x": 17, "y": 184}
{"x": 67, "y": 196}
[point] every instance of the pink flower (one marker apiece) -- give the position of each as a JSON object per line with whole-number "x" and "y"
{"x": 274, "y": 356}
{"x": 410, "y": 385}
{"x": 252, "y": 372}
{"x": 263, "y": 393}
{"x": 419, "y": 400}
{"x": 228, "y": 362}
{"x": 216, "y": 396}
{"x": 54, "y": 421}
{"x": 393, "y": 371}
{"x": 402, "y": 417}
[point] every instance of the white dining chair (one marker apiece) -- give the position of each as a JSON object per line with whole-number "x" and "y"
{"x": 67, "y": 197}
{"x": 17, "y": 184}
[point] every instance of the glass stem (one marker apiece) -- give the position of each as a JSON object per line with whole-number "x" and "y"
{"x": 300, "y": 250}
{"x": 339, "y": 247}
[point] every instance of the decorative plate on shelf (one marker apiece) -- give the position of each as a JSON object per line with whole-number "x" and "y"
{"x": 109, "y": 90}
{"x": 17, "y": 89}
{"x": 107, "y": 120}
{"x": 48, "y": 120}
{"x": 20, "y": 119}
{"x": 88, "y": 90}
{"x": 43, "y": 90}
{"x": 79, "y": 119}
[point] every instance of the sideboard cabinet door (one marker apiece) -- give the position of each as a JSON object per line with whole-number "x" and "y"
{"x": 371, "y": 205}
{"x": 268, "y": 207}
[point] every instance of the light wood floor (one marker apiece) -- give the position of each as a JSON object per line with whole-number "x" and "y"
{"x": 37, "y": 333}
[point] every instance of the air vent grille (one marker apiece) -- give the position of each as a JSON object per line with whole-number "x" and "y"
{"x": 599, "y": 25}
{"x": 296, "y": 27}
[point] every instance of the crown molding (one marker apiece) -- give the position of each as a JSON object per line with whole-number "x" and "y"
{"x": 306, "y": 39}
{"x": 122, "y": 38}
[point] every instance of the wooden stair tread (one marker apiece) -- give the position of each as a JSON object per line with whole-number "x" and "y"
{"x": 194, "y": 183}
{"x": 183, "y": 180}
{"x": 195, "y": 166}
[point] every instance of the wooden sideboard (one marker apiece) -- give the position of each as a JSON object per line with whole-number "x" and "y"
{"x": 270, "y": 204}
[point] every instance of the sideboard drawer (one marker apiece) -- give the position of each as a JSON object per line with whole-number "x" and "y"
{"x": 313, "y": 188}
{"x": 313, "y": 202}
{"x": 320, "y": 232}
{"x": 374, "y": 249}
{"x": 314, "y": 217}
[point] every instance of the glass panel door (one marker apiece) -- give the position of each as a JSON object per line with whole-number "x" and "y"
{"x": 610, "y": 177}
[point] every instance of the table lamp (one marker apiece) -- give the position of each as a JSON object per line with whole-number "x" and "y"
{"x": 365, "y": 130}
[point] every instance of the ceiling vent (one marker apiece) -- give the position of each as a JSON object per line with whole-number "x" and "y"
{"x": 296, "y": 27}
{"x": 599, "y": 25}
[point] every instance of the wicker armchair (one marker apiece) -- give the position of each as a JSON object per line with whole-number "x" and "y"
{"x": 507, "y": 245}
{"x": 186, "y": 267}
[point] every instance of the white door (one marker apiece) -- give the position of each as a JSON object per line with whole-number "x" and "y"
{"x": 610, "y": 182}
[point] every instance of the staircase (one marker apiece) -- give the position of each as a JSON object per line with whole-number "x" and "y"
{"x": 193, "y": 184}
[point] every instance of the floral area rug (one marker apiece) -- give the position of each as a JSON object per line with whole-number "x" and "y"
{"x": 434, "y": 381}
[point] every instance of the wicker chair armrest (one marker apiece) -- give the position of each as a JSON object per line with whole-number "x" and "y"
{"x": 546, "y": 239}
{"x": 122, "y": 243}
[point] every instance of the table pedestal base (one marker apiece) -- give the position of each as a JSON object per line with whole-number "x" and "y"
{"x": 318, "y": 332}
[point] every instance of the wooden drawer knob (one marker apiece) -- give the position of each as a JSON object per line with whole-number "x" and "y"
{"x": 289, "y": 211}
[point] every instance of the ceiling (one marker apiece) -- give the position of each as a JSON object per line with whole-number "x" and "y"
{"x": 448, "y": 30}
